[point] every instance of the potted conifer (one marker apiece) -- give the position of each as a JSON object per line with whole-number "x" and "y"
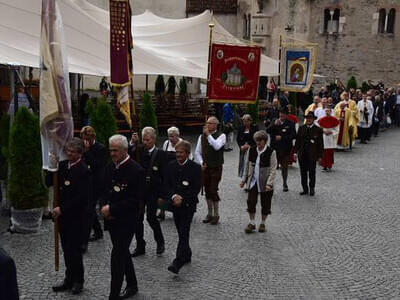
{"x": 171, "y": 91}
{"x": 26, "y": 190}
{"x": 183, "y": 93}
{"x": 159, "y": 92}
{"x": 147, "y": 116}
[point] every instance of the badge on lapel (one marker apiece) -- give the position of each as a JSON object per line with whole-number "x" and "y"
{"x": 117, "y": 188}
{"x": 185, "y": 183}
{"x": 67, "y": 182}
{"x": 155, "y": 168}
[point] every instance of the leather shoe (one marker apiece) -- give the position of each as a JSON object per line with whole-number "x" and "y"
{"x": 174, "y": 267}
{"x": 208, "y": 219}
{"x": 129, "y": 292}
{"x": 304, "y": 193}
{"x": 312, "y": 192}
{"x": 77, "y": 288}
{"x": 214, "y": 220}
{"x": 138, "y": 252}
{"x": 285, "y": 188}
{"x": 62, "y": 287}
{"x": 160, "y": 248}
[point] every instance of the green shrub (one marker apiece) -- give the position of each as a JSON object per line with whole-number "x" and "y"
{"x": 252, "y": 110}
{"x": 4, "y": 140}
{"x": 159, "y": 88}
{"x": 102, "y": 119}
{"x": 365, "y": 87}
{"x": 25, "y": 187}
{"x": 171, "y": 85}
{"x": 182, "y": 87}
{"x": 147, "y": 115}
{"x": 352, "y": 83}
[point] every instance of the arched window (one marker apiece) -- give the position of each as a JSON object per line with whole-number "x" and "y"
{"x": 391, "y": 21}
{"x": 327, "y": 17}
{"x": 245, "y": 26}
{"x": 382, "y": 20}
{"x": 336, "y": 16}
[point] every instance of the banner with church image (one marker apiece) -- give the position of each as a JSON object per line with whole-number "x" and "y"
{"x": 234, "y": 74}
{"x": 298, "y": 61}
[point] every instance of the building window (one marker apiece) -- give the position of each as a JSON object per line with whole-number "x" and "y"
{"x": 391, "y": 21}
{"x": 331, "y": 20}
{"x": 382, "y": 20}
{"x": 245, "y": 27}
{"x": 249, "y": 26}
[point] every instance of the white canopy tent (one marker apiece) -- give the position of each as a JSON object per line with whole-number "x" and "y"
{"x": 161, "y": 46}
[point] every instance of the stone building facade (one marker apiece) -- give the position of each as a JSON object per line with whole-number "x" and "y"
{"x": 354, "y": 37}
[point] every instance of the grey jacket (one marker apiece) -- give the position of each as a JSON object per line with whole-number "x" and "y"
{"x": 267, "y": 174}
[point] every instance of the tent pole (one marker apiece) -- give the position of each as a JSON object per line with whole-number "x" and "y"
{"x": 211, "y": 27}
{"x": 279, "y": 66}
{"x": 147, "y": 83}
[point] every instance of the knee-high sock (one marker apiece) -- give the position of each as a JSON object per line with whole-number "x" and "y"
{"x": 284, "y": 175}
{"x": 210, "y": 207}
{"x": 216, "y": 207}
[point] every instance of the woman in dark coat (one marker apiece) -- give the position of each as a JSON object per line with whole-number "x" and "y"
{"x": 245, "y": 140}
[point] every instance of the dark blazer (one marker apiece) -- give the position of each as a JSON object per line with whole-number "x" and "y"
{"x": 156, "y": 184}
{"x": 123, "y": 191}
{"x": 242, "y": 138}
{"x": 287, "y": 131}
{"x": 8, "y": 277}
{"x": 185, "y": 181}
{"x": 75, "y": 186}
{"x": 316, "y": 145}
{"x": 95, "y": 159}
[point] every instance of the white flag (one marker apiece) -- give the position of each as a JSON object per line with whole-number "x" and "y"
{"x": 56, "y": 122}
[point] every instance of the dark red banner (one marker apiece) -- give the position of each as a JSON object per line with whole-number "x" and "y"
{"x": 234, "y": 74}
{"x": 120, "y": 42}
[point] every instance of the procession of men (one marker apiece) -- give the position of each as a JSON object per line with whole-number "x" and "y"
{"x": 142, "y": 178}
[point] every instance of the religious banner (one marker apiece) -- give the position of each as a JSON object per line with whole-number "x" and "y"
{"x": 121, "y": 45}
{"x": 234, "y": 74}
{"x": 56, "y": 124}
{"x": 297, "y": 66}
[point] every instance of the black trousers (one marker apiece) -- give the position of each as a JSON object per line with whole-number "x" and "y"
{"x": 121, "y": 261}
{"x": 151, "y": 216}
{"x": 183, "y": 219}
{"x": 91, "y": 222}
{"x": 363, "y": 134}
{"x": 307, "y": 171}
{"x": 71, "y": 239}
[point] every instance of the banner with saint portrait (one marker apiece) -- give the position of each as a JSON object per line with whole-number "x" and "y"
{"x": 297, "y": 66}
{"x": 234, "y": 74}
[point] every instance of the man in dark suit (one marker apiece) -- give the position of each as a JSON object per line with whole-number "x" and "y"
{"x": 282, "y": 133}
{"x": 121, "y": 201}
{"x": 74, "y": 187}
{"x": 153, "y": 161}
{"x": 8, "y": 277}
{"x": 183, "y": 184}
{"x": 309, "y": 148}
{"x": 94, "y": 156}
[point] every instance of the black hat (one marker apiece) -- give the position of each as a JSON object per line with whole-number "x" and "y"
{"x": 310, "y": 114}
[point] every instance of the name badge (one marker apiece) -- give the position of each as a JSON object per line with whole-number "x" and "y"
{"x": 284, "y": 130}
{"x": 117, "y": 188}
{"x": 185, "y": 183}
{"x": 67, "y": 182}
{"x": 312, "y": 141}
{"x": 155, "y": 168}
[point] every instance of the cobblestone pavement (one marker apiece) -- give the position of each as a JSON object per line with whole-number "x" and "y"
{"x": 341, "y": 244}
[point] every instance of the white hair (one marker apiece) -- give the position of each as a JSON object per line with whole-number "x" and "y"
{"x": 119, "y": 139}
{"x": 149, "y": 131}
{"x": 213, "y": 119}
{"x": 173, "y": 131}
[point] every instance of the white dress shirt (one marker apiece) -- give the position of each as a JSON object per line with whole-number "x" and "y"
{"x": 217, "y": 144}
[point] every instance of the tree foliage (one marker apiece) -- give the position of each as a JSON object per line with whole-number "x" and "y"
{"x": 147, "y": 116}
{"x": 26, "y": 189}
{"x": 352, "y": 83}
{"x": 4, "y": 140}
{"x": 182, "y": 87}
{"x": 171, "y": 85}
{"x": 159, "y": 88}
{"x": 252, "y": 110}
{"x": 102, "y": 119}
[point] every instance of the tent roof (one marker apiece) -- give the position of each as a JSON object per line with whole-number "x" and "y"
{"x": 161, "y": 46}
